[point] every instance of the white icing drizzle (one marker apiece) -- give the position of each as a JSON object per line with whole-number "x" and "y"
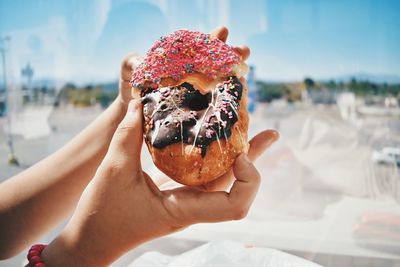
{"x": 156, "y": 131}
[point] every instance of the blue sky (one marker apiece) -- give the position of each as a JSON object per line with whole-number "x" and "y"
{"x": 290, "y": 39}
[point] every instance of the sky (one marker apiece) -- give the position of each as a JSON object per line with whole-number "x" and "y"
{"x": 84, "y": 41}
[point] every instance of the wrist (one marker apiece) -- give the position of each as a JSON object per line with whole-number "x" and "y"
{"x": 61, "y": 252}
{"x": 74, "y": 248}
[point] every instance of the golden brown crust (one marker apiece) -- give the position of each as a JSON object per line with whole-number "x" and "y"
{"x": 186, "y": 165}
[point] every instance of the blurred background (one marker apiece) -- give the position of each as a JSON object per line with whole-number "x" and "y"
{"x": 326, "y": 74}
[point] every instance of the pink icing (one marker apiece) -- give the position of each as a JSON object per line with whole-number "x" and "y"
{"x": 183, "y": 52}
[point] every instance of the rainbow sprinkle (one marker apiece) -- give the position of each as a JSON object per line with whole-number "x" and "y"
{"x": 183, "y": 52}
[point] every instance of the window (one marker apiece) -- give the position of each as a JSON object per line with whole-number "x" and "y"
{"x": 326, "y": 74}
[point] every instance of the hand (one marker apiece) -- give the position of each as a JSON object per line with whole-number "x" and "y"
{"x": 122, "y": 207}
{"x": 132, "y": 60}
{"x": 258, "y": 144}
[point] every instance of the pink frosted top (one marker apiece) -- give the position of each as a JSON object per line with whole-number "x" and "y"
{"x": 183, "y": 52}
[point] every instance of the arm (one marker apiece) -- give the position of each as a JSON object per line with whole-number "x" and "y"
{"x": 122, "y": 208}
{"x": 38, "y": 198}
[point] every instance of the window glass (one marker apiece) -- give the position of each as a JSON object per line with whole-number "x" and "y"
{"x": 324, "y": 73}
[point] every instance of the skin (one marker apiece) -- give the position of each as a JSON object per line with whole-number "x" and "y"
{"x": 37, "y": 199}
{"x": 124, "y": 204}
{"x": 109, "y": 218}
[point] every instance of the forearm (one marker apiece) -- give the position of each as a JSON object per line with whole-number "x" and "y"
{"x": 37, "y": 199}
{"x": 75, "y": 251}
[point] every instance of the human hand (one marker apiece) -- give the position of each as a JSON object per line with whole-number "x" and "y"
{"x": 122, "y": 207}
{"x": 258, "y": 145}
{"x": 132, "y": 60}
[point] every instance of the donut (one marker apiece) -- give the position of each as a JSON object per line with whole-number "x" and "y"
{"x": 194, "y": 101}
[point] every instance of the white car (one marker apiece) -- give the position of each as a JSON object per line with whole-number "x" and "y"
{"x": 388, "y": 155}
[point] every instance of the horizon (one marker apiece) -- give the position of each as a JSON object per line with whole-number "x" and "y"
{"x": 360, "y": 77}
{"x": 84, "y": 42}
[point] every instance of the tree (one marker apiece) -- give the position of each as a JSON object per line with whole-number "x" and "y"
{"x": 43, "y": 89}
{"x": 353, "y": 84}
{"x": 309, "y": 83}
{"x": 69, "y": 86}
{"x": 269, "y": 91}
{"x": 331, "y": 84}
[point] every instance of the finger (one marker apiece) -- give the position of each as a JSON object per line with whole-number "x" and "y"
{"x": 188, "y": 205}
{"x": 261, "y": 142}
{"x": 258, "y": 145}
{"x": 128, "y": 138}
{"x": 243, "y": 51}
{"x": 221, "y": 33}
{"x": 245, "y": 187}
{"x": 129, "y": 63}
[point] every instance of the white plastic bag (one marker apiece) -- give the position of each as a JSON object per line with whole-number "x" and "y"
{"x": 221, "y": 254}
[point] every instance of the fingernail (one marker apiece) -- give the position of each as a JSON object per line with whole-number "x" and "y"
{"x": 275, "y": 135}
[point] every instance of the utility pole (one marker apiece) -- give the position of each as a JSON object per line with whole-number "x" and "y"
{"x": 4, "y": 41}
{"x": 27, "y": 72}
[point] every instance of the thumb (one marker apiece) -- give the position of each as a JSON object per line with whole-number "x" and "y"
{"x": 128, "y": 138}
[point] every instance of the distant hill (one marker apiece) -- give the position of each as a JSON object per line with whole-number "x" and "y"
{"x": 110, "y": 86}
{"x": 376, "y": 78}
{"x": 47, "y": 82}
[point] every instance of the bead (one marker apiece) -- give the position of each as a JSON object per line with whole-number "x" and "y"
{"x": 35, "y": 259}
{"x": 33, "y": 253}
{"x": 36, "y": 247}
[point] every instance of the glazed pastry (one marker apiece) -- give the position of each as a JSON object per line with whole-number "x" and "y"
{"x": 194, "y": 106}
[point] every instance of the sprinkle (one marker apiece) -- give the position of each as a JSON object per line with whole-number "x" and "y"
{"x": 183, "y": 52}
{"x": 209, "y": 133}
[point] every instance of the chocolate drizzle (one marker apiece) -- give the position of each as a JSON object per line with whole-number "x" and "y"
{"x": 182, "y": 114}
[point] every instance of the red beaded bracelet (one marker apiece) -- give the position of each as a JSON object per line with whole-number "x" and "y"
{"x": 34, "y": 256}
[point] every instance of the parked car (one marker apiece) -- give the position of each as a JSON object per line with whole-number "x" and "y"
{"x": 388, "y": 155}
